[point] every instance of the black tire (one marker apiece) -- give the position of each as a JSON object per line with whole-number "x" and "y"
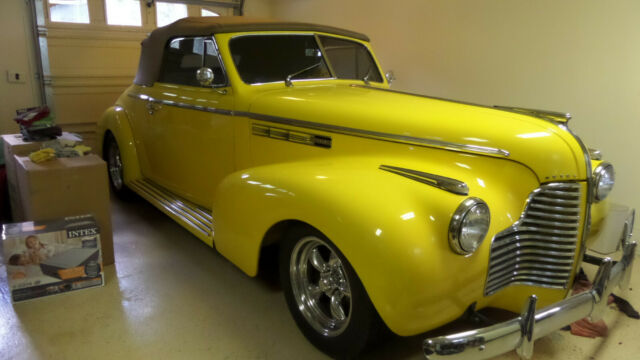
{"x": 111, "y": 155}
{"x": 343, "y": 339}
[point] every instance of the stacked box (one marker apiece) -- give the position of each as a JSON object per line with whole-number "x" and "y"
{"x": 14, "y": 145}
{"x": 51, "y": 257}
{"x": 67, "y": 187}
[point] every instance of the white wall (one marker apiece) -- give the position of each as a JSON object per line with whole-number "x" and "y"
{"x": 258, "y": 8}
{"x": 16, "y": 54}
{"x": 580, "y": 56}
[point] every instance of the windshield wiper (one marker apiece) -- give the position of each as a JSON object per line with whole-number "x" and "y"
{"x": 288, "y": 82}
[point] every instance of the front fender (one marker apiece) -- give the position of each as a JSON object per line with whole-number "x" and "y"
{"x": 393, "y": 230}
{"x": 116, "y": 121}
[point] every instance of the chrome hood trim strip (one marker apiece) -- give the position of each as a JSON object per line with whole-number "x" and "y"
{"x": 403, "y": 139}
{"x": 441, "y": 182}
{"x": 376, "y": 135}
{"x": 553, "y": 116}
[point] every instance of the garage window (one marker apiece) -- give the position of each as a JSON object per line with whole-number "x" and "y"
{"x": 69, "y": 11}
{"x": 166, "y": 12}
{"x": 184, "y": 56}
{"x": 205, "y": 12}
{"x": 123, "y": 12}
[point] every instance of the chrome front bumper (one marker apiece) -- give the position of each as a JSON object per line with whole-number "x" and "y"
{"x": 520, "y": 333}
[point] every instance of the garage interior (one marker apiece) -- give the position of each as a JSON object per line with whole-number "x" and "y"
{"x": 169, "y": 295}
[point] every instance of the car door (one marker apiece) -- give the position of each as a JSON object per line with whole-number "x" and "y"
{"x": 189, "y": 134}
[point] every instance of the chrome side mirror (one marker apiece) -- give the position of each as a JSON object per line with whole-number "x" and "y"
{"x": 204, "y": 76}
{"x": 390, "y": 77}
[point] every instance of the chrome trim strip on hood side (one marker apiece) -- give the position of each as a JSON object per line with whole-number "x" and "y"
{"x": 441, "y": 182}
{"x": 335, "y": 128}
{"x": 376, "y": 135}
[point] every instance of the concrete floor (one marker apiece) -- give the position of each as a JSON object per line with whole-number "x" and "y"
{"x": 170, "y": 296}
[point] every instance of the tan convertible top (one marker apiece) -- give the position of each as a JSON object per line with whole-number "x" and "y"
{"x": 153, "y": 46}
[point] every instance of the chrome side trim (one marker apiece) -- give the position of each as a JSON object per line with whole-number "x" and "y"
{"x": 440, "y": 182}
{"x": 199, "y": 220}
{"x": 375, "y": 134}
{"x": 181, "y": 104}
{"x": 403, "y": 139}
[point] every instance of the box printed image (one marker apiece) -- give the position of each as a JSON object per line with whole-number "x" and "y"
{"x": 51, "y": 257}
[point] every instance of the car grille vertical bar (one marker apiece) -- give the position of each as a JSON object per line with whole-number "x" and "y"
{"x": 540, "y": 247}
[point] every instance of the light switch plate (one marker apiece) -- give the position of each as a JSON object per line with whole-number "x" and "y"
{"x": 16, "y": 77}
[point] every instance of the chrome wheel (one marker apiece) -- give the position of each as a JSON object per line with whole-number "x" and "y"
{"x": 114, "y": 164}
{"x": 320, "y": 286}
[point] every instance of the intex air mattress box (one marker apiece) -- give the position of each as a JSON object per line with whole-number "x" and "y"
{"x": 51, "y": 257}
{"x": 70, "y": 264}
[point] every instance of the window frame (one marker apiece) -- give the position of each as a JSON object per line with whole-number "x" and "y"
{"x": 219, "y": 56}
{"x": 316, "y": 37}
{"x": 366, "y": 48}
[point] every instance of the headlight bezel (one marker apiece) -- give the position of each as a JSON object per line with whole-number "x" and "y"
{"x": 601, "y": 170}
{"x": 457, "y": 222}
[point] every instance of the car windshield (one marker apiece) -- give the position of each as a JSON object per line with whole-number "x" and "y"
{"x": 273, "y": 58}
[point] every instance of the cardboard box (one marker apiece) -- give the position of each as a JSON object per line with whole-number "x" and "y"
{"x": 15, "y": 145}
{"x": 67, "y": 187}
{"x": 52, "y": 257}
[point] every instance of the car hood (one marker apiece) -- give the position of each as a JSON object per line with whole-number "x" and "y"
{"x": 548, "y": 149}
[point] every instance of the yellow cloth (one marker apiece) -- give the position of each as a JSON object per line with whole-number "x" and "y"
{"x": 81, "y": 149}
{"x": 43, "y": 155}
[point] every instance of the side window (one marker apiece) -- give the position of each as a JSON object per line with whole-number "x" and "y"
{"x": 350, "y": 60}
{"x": 184, "y": 56}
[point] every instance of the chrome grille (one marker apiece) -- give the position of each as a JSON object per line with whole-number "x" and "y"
{"x": 539, "y": 248}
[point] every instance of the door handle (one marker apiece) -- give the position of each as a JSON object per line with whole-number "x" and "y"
{"x": 153, "y": 107}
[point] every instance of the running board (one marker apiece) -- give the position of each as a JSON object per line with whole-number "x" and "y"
{"x": 196, "y": 219}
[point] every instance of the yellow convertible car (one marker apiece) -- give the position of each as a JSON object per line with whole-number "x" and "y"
{"x": 384, "y": 210}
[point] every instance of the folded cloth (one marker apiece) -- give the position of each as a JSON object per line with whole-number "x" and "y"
{"x": 42, "y": 155}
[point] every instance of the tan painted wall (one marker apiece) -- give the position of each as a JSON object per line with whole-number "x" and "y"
{"x": 16, "y": 54}
{"x": 577, "y": 56}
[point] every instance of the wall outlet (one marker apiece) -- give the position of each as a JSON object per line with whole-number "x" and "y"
{"x": 16, "y": 77}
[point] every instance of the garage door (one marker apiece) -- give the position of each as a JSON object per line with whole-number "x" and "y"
{"x": 90, "y": 49}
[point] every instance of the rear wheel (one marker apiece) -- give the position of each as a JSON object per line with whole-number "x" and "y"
{"x": 325, "y": 296}
{"x": 115, "y": 168}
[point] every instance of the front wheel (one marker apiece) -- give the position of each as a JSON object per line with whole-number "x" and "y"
{"x": 325, "y": 296}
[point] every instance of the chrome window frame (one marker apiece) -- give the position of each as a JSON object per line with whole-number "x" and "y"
{"x": 316, "y": 36}
{"x": 310, "y": 34}
{"x": 373, "y": 59}
{"x": 222, "y": 65}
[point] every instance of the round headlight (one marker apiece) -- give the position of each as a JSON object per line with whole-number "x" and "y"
{"x": 469, "y": 226}
{"x": 604, "y": 177}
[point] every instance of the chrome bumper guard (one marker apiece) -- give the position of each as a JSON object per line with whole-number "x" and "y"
{"x": 520, "y": 333}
